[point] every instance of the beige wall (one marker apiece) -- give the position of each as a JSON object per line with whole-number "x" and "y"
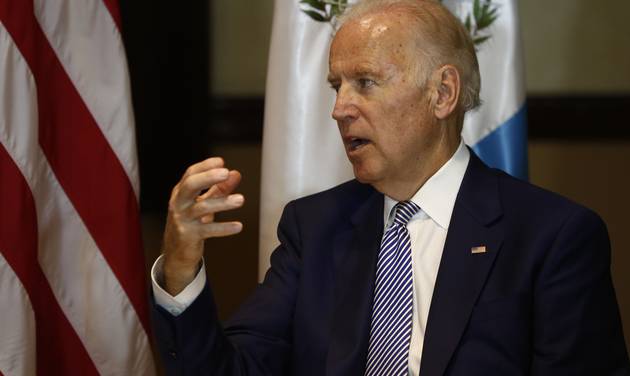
{"x": 576, "y": 45}
{"x": 570, "y": 45}
{"x": 241, "y": 30}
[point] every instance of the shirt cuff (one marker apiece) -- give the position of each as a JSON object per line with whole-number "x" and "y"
{"x": 176, "y": 304}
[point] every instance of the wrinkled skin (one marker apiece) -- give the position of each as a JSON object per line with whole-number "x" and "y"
{"x": 391, "y": 133}
{"x": 191, "y": 219}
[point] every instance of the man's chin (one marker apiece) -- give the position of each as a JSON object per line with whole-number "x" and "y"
{"x": 365, "y": 177}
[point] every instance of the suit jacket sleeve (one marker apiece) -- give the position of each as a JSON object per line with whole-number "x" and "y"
{"x": 257, "y": 340}
{"x": 577, "y": 328}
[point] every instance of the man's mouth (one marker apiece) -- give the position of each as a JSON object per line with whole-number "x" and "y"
{"x": 356, "y": 143}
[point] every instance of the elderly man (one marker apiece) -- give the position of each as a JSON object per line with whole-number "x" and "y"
{"x": 428, "y": 263}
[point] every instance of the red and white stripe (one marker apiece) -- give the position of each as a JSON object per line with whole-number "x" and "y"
{"x": 72, "y": 290}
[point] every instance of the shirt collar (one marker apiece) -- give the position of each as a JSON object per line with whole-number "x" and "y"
{"x": 436, "y": 197}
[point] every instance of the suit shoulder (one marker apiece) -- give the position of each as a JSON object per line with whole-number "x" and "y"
{"x": 346, "y": 192}
{"x": 526, "y": 197}
{"x": 338, "y": 201}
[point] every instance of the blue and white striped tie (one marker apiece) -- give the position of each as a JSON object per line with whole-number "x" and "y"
{"x": 392, "y": 309}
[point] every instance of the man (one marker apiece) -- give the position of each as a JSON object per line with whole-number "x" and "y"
{"x": 428, "y": 263}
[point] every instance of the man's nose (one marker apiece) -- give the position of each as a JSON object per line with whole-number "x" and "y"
{"x": 345, "y": 107}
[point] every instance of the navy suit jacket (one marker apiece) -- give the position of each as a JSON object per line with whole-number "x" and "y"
{"x": 539, "y": 301}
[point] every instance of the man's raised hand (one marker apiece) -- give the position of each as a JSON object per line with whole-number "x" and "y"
{"x": 191, "y": 218}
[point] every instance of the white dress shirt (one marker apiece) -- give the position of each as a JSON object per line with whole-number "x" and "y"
{"x": 427, "y": 229}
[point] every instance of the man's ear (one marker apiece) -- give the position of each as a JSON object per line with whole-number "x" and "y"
{"x": 447, "y": 88}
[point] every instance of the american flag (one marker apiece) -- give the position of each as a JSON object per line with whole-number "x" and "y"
{"x": 72, "y": 290}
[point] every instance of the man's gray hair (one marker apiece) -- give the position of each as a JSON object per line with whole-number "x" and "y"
{"x": 441, "y": 39}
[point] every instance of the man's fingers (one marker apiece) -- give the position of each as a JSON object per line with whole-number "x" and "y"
{"x": 205, "y": 208}
{"x": 190, "y": 186}
{"x": 228, "y": 186}
{"x": 219, "y": 229}
{"x": 207, "y": 164}
{"x": 223, "y": 188}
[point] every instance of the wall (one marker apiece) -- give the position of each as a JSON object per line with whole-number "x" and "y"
{"x": 241, "y": 30}
{"x": 576, "y": 45}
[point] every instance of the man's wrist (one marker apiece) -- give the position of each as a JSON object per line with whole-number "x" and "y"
{"x": 178, "y": 275}
{"x": 180, "y": 302}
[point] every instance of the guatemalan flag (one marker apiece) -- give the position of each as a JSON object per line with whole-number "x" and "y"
{"x": 302, "y": 150}
{"x": 497, "y": 131}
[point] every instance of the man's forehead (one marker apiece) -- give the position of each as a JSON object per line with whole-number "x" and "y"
{"x": 371, "y": 41}
{"x": 373, "y": 25}
{"x": 373, "y": 29}
{"x": 359, "y": 68}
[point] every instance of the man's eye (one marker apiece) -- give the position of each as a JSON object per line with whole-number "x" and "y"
{"x": 335, "y": 87}
{"x": 365, "y": 83}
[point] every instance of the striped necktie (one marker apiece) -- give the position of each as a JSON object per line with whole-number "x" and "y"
{"x": 392, "y": 309}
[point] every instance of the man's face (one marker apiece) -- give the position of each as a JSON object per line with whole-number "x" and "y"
{"x": 383, "y": 116}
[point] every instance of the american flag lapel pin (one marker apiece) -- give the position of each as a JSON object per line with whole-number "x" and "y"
{"x": 480, "y": 249}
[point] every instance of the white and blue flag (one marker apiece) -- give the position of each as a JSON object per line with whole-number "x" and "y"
{"x": 497, "y": 131}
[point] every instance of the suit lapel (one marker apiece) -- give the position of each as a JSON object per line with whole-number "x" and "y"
{"x": 355, "y": 268}
{"x": 475, "y": 223}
